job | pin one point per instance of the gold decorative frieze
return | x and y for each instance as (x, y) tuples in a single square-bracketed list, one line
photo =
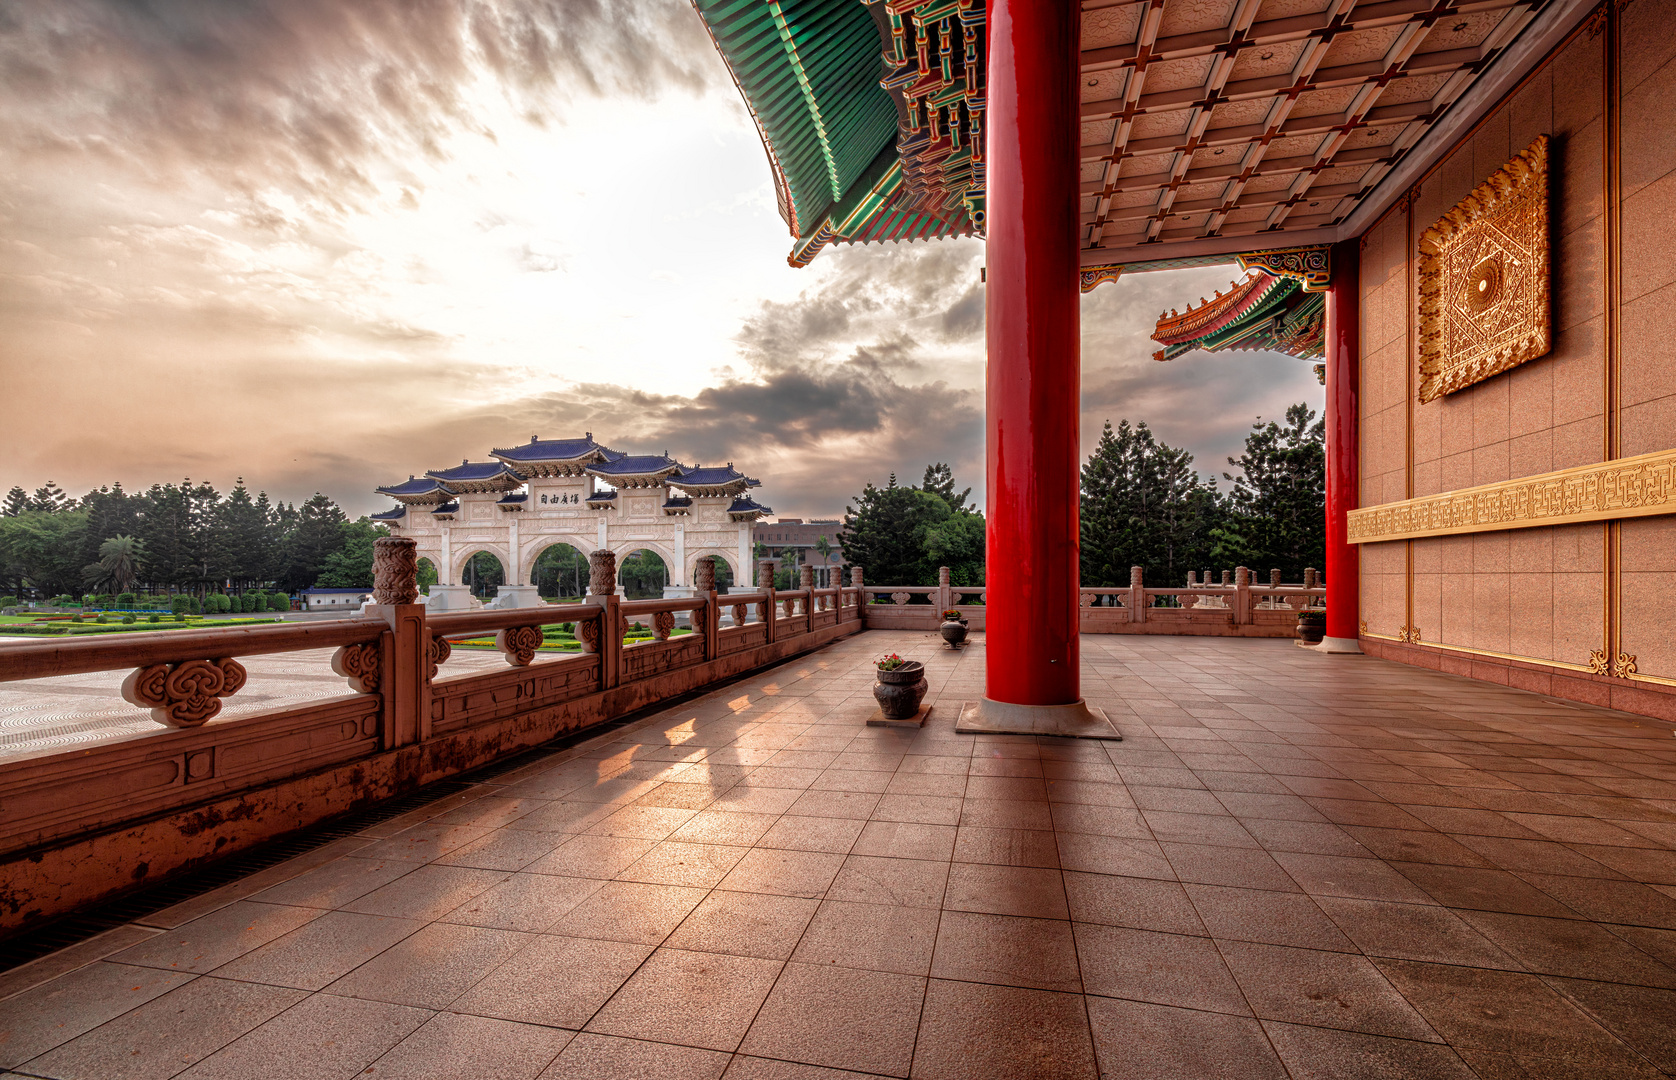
[(1622, 667), (1640, 486), (1483, 270), (1311, 265)]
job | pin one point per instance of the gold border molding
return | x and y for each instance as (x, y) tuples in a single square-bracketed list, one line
[(1310, 265), (1640, 486)]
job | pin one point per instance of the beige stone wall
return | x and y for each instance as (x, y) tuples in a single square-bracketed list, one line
[(1549, 596)]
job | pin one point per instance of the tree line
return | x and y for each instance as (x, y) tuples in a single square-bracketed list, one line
[(1143, 504), (185, 537)]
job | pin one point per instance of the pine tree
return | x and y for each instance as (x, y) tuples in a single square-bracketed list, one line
[(939, 480), (1280, 496), (1143, 504), (17, 501), (49, 498)]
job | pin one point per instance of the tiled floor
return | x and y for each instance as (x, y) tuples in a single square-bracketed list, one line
[(1294, 866)]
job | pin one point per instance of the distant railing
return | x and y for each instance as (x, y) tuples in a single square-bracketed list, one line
[(1236, 609), (159, 802)]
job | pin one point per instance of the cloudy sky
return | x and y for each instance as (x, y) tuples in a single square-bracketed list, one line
[(325, 245)]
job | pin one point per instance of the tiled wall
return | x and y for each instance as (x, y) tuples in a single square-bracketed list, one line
[(1539, 594)]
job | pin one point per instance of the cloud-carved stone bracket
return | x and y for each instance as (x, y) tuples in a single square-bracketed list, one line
[(587, 633), (361, 665), (438, 655), (663, 624), (519, 644), (184, 694)]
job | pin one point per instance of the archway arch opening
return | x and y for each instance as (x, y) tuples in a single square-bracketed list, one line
[(560, 572), (483, 573), (643, 574), (724, 572), (427, 576)]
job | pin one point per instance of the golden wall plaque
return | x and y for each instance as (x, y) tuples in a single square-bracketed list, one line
[(1484, 278)]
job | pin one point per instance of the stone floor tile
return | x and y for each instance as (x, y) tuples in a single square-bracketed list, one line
[(321, 951), (1091, 793), (208, 942), (751, 799), (1570, 947), (1322, 989), (676, 863), (1362, 879), (841, 1018), (641, 822), (452, 1046), (873, 937), (428, 893), (1006, 847), (323, 1037), (903, 882), (504, 849), (1608, 900), (1115, 855), (756, 1068), (1536, 856), (166, 1034), (833, 835), (602, 857), (1005, 950), (977, 1032), (432, 967), (723, 827), (856, 805), (1642, 1017), (1212, 865), (1160, 1042), (698, 999), (1035, 892), (871, 783), (605, 1057), (1481, 890), (1269, 918), (527, 902), (783, 873), (1638, 864), (555, 981), (1414, 932), (924, 809), (630, 911), (1138, 903), (1506, 1011), (336, 883), (745, 924), (1307, 837), (1165, 969), (1176, 800), (564, 816), (1416, 845), (424, 843), (1312, 1053), (906, 840)]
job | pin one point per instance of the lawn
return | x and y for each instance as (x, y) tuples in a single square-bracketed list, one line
[(63, 627)]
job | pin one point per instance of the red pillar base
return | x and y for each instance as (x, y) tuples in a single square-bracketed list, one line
[(1078, 720)]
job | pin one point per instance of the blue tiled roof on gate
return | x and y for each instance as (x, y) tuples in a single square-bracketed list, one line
[(637, 465), (414, 487), (446, 510), (602, 497), (391, 515), (675, 502), (714, 476), (518, 499), (557, 450), (745, 505), (476, 472)]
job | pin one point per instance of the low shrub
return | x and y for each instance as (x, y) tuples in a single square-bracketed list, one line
[(279, 602), (8, 601), (87, 600), (101, 619), (128, 620), (154, 617), (126, 600), (179, 604), (76, 618), (180, 616)]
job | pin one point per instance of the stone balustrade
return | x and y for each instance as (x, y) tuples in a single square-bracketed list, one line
[(82, 825)]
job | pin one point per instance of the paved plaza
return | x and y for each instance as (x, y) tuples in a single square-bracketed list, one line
[(1293, 866)]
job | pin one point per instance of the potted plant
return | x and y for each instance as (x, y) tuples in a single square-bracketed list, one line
[(953, 628), (900, 688), (1312, 625)]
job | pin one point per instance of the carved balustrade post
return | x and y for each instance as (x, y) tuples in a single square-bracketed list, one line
[(606, 637), (765, 576), (1192, 579), (806, 582), (1226, 576), (1242, 595), (708, 620), (860, 597), (1309, 577), (402, 663), (1137, 595), (1274, 579)]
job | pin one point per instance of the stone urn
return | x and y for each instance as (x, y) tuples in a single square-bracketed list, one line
[(1312, 626), (900, 690), (953, 629)]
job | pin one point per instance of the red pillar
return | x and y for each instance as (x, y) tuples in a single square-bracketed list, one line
[(1035, 353), (1343, 447)]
